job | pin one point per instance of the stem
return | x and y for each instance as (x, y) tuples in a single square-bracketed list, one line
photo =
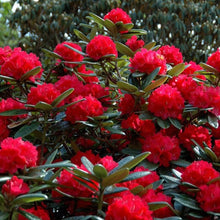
[(100, 200)]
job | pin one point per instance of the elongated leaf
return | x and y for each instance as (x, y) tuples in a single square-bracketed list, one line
[(26, 130), (176, 173), (175, 123), (52, 54), (42, 187), (51, 157), (43, 106), (87, 163), (81, 36), (208, 68), (75, 50), (151, 77), (171, 179), (14, 112), (110, 26), (83, 174), (163, 123), (30, 73), (210, 154), (114, 189), (123, 27), (100, 171), (7, 78), (176, 70), (55, 165), (150, 45), (213, 121), (97, 19), (27, 198), (155, 84), (157, 205), (132, 163), (28, 215), (116, 177), (61, 97), (181, 163), (126, 86), (136, 175), (123, 49)]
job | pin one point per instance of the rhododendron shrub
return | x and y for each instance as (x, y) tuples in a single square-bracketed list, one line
[(111, 128)]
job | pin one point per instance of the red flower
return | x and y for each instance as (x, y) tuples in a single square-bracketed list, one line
[(20, 63), (184, 84), (85, 142), (127, 104), (172, 54), (129, 207), (199, 134), (37, 211), (209, 197), (199, 173), (100, 46), (134, 43), (191, 70), (69, 55), (216, 148), (132, 121), (146, 61), (4, 132), (14, 187), (88, 78), (214, 60), (216, 131), (46, 92), (6, 52), (108, 162), (17, 154), (152, 196), (166, 102), (67, 82), (147, 128), (117, 15), (81, 110), (163, 149)]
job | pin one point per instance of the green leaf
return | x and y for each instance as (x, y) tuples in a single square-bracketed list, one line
[(85, 175), (51, 157), (136, 160), (121, 163), (61, 97), (114, 189), (54, 165), (115, 130), (213, 121), (157, 205), (81, 36), (75, 50), (7, 78), (187, 201), (150, 77), (136, 175), (30, 73), (155, 84), (176, 70), (42, 187), (150, 45), (175, 123), (100, 171), (110, 26), (209, 68), (26, 130), (163, 123), (4, 215), (123, 49), (169, 218), (52, 54), (28, 215), (27, 198), (14, 112), (127, 87), (43, 106), (137, 31), (115, 177), (97, 19), (210, 154), (181, 163), (171, 179), (87, 163), (124, 27)]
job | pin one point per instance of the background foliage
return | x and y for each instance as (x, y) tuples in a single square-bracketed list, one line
[(191, 26)]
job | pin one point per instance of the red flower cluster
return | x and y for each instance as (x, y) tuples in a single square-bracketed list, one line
[(81, 110), (4, 132), (87, 75), (100, 46), (14, 187), (46, 92), (216, 148), (166, 102), (69, 55), (17, 154), (163, 149), (199, 134), (129, 207), (6, 52), (134, 43), (191, 70), (209, 197), (37, 211), (152, 196), (214, 60), (199, 173), (172, 54), (146, 61), (117, 15), (20, 63)]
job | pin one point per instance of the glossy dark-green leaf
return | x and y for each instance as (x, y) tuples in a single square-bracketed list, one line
[(14, 112), (85, 175), (155, 84), (115, 177), (156, 205), (30, 73), (175, 123), (43, 106), (52, 54), (150, 77), (163, 123), (114, 189), (26, 130), (213, 121), (176, 70), (127, 86), (100, 171), (123, 49), (28, 215), (75, 50), (61, 97), (210, 154), (136, 175), (208, 68), (81, 36), (87, 163), (97, 19), (110, 26)]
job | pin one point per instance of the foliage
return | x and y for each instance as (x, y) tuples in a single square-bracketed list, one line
[(109, 132), (191, 26)]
